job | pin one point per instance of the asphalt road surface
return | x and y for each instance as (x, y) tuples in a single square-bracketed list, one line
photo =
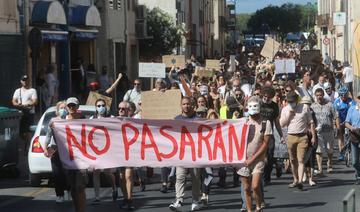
[(17, 195)]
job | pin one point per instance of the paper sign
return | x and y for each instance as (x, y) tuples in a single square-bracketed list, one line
[(125, 142), (202, 72), (152, 70), (93, 96), (213, 64), (310, 57), (286, 66), (174, 60), (160, 105), (271, 47)]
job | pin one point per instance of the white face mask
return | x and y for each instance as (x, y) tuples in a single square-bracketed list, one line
[(253, 108)]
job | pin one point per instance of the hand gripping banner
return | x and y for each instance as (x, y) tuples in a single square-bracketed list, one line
[(118, 142)]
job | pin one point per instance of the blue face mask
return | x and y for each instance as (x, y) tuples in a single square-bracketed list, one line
[(63, 113), (101, 110)]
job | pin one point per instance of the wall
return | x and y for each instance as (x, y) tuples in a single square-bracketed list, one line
[(9, 17)]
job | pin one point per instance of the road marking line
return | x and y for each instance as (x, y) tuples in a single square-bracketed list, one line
[(20, 198)]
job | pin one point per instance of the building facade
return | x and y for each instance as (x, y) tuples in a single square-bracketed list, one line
[(12, 57)]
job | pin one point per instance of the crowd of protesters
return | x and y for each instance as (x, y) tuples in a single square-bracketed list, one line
[(305, 112)]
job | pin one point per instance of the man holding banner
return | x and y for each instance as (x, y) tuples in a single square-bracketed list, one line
[(187, 108)]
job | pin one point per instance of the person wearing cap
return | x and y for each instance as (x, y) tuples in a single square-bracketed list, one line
[(352, 122), (326, 117), (25, 99), (311, 151), (77, 179), (297, 118)]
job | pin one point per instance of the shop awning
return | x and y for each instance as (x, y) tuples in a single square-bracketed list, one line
[(52, 35), (83, 34), (84, 16), (48, 12)]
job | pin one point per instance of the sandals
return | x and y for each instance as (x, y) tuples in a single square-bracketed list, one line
[(293, 185)]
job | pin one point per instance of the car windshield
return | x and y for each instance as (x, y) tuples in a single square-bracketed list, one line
[(50, 115)]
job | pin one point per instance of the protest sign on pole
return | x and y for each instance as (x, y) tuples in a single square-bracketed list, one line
[(203, 72), (93, 96), (356, 54), (213, 64), (285, 66), (232, 63), (310, 57), (174, 60), (124, 142), (152, 70), (270, 48), (160, 105)]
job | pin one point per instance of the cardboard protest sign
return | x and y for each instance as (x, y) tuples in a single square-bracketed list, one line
[(286, 66), (160, 105), (174, 60), (213, 64), (125, 142), (93, 96), (152, 70), (310, 57), (356, 53), (203, 72), (270, 48)]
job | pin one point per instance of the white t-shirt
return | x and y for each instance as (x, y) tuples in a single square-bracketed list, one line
[(24, 96), (348, 75)]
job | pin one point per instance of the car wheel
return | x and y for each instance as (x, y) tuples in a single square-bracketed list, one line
[(35, 180)]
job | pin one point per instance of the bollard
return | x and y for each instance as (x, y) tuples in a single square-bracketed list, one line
[(349, 202)]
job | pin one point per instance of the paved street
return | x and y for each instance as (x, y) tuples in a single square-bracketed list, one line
[(16, 195)]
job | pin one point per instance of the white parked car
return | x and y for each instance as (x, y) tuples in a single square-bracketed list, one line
[(39, 165)]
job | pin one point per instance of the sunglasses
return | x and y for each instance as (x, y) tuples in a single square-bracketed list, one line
[(136, 83), (122, 108), (100, 105), (72, 105), (287, 90), (256, 94)]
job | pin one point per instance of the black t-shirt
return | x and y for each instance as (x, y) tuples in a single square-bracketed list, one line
[(269, 111)]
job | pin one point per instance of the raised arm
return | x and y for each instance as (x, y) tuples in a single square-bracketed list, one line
[(113, 86)]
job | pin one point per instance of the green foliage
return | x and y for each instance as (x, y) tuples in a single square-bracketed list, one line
[(282, 20), (163, 32), (241, 22)]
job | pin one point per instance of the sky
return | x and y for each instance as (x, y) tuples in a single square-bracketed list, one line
[(250, 6)]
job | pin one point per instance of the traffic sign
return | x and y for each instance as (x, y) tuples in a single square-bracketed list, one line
[(326, 41)]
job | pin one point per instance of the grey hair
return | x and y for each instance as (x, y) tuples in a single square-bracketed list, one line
[(58, 106), (254, 99)]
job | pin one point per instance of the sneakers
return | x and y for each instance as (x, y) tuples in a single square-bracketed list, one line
[(195, 206), (96, 201), (164, 189), (318, 173), (176, 206), (341, 157), (205, 199), (60, 199), (114, 195)]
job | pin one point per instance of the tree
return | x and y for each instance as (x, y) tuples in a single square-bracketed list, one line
[(241, 22), (163, 35), (281, 20)]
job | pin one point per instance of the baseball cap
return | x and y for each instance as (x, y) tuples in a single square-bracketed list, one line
[(291, 96), (72, 100), (24, 78)]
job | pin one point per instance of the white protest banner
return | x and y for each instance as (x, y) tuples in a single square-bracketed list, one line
[(174, 60), (270, 48), (152, 70), (116, 142), (160, 105), (286, 66)]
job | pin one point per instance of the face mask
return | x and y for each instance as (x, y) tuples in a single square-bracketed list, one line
[(293, 105), (63, 113), (101, 110), (253, 108)]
